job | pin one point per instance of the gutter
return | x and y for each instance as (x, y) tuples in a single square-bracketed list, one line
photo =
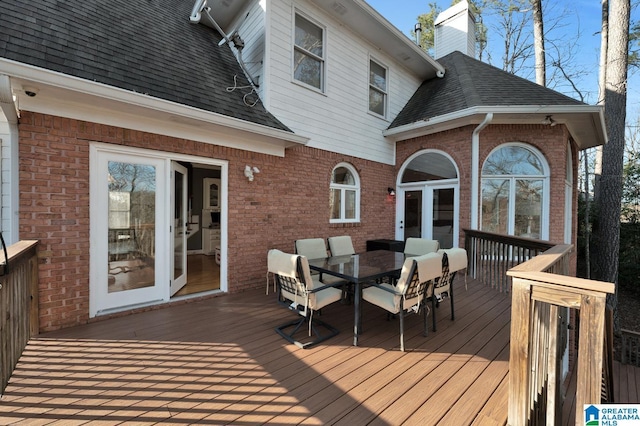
[(475, 170), (63, 81)]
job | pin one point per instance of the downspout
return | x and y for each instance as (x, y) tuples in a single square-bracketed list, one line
[(8, 107), (475, 170)]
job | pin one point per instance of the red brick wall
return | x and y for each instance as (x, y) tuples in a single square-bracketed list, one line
[(550, 141), (288, 200)]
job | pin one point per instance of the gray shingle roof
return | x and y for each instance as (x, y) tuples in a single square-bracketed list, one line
[(470, 83), (145, 46)]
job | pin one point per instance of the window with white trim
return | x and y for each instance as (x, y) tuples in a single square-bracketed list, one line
[(344, 194), (308, 55), (515, 184), (377, 88)]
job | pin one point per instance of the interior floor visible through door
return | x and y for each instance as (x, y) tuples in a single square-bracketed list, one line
[(203, 274)]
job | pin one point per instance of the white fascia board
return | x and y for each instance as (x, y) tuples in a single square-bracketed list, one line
[(528, 114), (139, 102), (440, 70)]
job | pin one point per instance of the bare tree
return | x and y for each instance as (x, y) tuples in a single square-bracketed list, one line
[(615, 101), (538, 43)]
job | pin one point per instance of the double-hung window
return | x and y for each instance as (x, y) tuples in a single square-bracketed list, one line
[(308, 57), (344, 197), (377, 88)]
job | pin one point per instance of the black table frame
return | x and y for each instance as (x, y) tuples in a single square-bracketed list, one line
[(360, 269)]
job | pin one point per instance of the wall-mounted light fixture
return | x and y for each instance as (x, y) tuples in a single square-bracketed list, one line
[(391, 195), (549, 121), (250, 171)]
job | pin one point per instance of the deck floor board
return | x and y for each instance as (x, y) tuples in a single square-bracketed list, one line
[(219, 361)]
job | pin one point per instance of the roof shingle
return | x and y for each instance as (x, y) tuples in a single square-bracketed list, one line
[(146, 47), (470, 83)]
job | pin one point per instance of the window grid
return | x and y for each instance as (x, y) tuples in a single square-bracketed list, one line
[(308, 58), (344, 195), (378, 83)]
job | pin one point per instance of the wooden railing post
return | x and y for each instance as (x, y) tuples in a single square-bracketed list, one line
[(519, 351)]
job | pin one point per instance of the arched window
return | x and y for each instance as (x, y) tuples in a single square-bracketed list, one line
[(515, 187), (344, 195)]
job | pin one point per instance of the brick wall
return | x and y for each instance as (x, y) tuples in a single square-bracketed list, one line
[(288, 200)]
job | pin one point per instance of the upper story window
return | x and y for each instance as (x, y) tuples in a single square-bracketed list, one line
[(344, 198), (515, 192), (377, 88), (308, 57)]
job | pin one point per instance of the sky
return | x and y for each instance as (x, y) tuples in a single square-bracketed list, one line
[(581, 21)]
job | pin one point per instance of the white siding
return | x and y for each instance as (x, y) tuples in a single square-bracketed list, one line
[(251, 27), (338, 119)]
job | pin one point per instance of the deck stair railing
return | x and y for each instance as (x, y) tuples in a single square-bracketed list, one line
[(18, 305), (492, 255), (540, 290)]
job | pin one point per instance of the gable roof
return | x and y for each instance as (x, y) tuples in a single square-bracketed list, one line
[(471, 87), (146, 47)]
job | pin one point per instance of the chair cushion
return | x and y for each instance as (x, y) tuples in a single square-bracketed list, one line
[(384, 299), (429, 266), (313, 248), (419, 246), (341, 245), (457, 258)]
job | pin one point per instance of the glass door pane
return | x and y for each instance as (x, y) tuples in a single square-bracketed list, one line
[(132, 226), (413, 214), (443, 215)]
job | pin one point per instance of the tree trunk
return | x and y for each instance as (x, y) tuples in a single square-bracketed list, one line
[(609, 202), (538, 43)]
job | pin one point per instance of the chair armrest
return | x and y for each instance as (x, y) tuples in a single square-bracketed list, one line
[(317, 289)]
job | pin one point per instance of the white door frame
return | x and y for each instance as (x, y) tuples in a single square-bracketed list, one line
[(178, 231), (99, 233), (428, 189)]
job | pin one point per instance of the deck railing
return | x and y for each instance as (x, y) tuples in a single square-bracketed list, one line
[(540, 289), (492, 255), (18, 305)]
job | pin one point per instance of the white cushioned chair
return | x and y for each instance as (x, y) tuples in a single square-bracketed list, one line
[(453, 260), (408, 295), (419, 246), (299, 292), (341, 246), (315, 248)]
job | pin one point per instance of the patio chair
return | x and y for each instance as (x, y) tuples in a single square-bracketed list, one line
[(341, 246), (408, 295), (314, 248), (453, 260), (301, 293), (419, 246)]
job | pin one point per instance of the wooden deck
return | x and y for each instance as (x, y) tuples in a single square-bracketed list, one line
[(219, 361)]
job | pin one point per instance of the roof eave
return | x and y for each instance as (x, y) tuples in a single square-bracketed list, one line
[(584, 122), (124, 102), (360, 17)]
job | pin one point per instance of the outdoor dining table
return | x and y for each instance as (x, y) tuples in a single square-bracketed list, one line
[(360, 269)]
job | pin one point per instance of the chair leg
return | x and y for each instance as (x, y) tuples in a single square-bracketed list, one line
[(451, 297), (401, 328), (433, 309), (425, 314), (315, 328)]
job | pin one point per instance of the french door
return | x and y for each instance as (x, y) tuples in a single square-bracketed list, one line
[(429, 211), (178, 228), (128, 238)]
